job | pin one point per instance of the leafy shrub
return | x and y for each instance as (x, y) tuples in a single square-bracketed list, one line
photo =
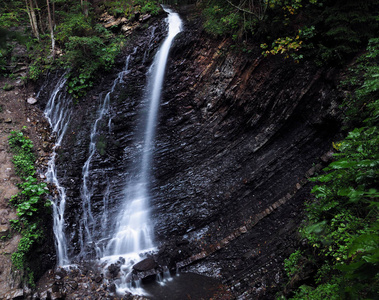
[(87, 56), (347, 25), (74, 24), (362, 86), (30, 202), (150, 7), (328, 291), (31, 234), (220, 20), (343, 221), (23, 157), (291, 263)]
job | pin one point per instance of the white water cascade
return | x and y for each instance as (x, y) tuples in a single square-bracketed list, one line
[(88, 228), (58, 113), (134, 235)]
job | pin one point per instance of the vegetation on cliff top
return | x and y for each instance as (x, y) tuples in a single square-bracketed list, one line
[(66, 34), (325, 31)]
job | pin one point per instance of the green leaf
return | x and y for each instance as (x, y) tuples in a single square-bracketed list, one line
[(343, 164)]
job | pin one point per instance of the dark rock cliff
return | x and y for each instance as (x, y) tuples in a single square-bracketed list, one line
[(237, 136), (238, 132)]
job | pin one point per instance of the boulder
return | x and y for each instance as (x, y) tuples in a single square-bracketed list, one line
[(15, 294), (145, 265), (4, 230), (31, 100)]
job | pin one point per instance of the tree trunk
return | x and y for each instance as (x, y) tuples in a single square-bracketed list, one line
[(84, 4), (53, 19), (41, 27), (32, 18), (51, 28)]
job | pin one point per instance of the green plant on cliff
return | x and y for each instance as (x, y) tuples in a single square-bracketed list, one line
[(30, 202), (291, 264), (87, 56), (343, 221), (81, 44), (23, 156), (149, 7), (324, 31), (89, 48)]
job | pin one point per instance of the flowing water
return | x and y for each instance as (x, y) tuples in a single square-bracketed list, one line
[(58, 113), (134, 235), (88, 227)]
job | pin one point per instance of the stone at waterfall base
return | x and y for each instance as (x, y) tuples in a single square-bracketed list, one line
[(145, 265)]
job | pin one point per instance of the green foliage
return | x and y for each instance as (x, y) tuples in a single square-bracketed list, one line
[(31, 235), (224, 19), (12, 13), (73, 24), (291, 263), (119, 8), (89, 48), (39, 54), (23, 156), (289, 46), (362, 86), (84, 46), (129, 8), (149, 7), (221, 20), (12, 17), (343, 221), (324, 291), (30, 202), (347, 25), (87, 56), (325, 31)]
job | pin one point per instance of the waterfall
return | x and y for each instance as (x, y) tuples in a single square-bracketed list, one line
[(150, 44), (87, 228), (134, 231), (58, 113), (132, 234)]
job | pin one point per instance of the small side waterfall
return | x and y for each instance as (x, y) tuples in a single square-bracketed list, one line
[(88, 226), (134, 234), (58, 113)]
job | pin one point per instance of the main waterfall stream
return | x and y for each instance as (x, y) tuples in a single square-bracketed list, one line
[(134, 234), (127, 237)]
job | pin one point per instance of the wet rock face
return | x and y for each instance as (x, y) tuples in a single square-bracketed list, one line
[(237, 140), (236, 133)]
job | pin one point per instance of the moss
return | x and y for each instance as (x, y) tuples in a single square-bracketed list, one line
[(101, 145)]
